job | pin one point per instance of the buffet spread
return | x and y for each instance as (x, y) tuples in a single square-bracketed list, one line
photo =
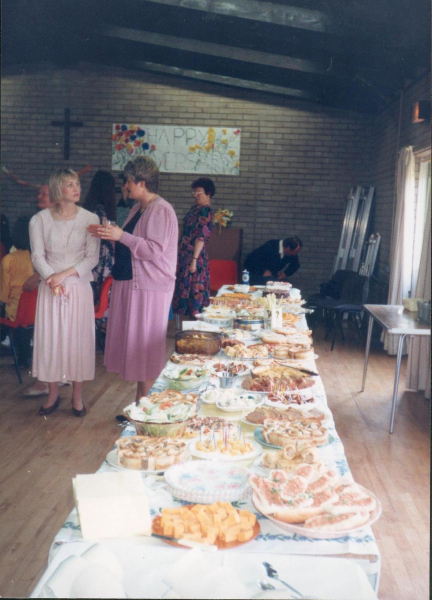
[(237, 447)]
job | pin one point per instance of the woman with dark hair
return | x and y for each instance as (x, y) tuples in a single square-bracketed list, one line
[(5, 239), (192, 292), (101, 200), (144, 277)]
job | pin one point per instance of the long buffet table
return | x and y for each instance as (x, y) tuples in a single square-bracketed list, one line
[(302, 560)]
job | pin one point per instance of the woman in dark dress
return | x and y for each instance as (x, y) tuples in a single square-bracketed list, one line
[(101, 201), (192, 291)]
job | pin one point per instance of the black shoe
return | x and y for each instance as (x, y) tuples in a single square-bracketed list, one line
[(47, 411), (121, 418), (79, 413)]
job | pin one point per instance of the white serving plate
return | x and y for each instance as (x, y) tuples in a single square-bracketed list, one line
[(258, 401), (205, 483), (257, 449), (322, 535)]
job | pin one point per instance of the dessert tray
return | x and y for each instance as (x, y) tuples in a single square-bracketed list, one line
[(208, 482)]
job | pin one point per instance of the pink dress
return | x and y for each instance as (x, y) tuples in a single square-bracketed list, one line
[(139, 307), (64, 337)]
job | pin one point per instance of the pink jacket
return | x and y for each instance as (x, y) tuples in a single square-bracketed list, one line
[(153, 246)]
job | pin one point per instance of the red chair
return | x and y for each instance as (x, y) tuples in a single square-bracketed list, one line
[(101, 309), (25, 318), (222, 272)]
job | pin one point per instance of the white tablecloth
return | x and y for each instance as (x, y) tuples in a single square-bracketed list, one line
[(360, 547)]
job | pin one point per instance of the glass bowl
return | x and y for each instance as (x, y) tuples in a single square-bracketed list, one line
[(197, 342)]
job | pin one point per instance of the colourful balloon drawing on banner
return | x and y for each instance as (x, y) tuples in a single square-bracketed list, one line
[(179, 149)]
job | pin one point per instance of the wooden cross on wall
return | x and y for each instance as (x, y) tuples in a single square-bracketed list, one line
[(67, 124)]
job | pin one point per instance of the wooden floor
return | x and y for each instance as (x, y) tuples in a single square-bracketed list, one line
[(41, 455)]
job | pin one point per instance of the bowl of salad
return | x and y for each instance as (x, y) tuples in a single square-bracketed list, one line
[(186, 378), (168, 417)]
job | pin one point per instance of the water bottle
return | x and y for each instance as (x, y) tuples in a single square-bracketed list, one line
[(245, 277)]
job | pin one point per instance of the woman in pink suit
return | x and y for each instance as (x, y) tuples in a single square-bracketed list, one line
[(144, 279), (64, 254)]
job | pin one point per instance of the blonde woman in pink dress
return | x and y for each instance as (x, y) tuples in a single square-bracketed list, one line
[(64, 254), (144, 278)]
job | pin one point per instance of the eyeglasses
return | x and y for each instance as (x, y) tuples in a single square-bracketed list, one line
[(195, 193)]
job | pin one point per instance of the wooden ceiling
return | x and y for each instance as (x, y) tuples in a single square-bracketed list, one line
[(352, 54)]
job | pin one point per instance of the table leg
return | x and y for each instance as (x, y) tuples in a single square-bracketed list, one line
[(368, 342), (396, 382)]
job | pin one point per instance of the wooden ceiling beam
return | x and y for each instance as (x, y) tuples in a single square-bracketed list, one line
[(266, 12), (221, 79), (216, 50)]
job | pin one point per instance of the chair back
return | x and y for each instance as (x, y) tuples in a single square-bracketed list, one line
[(355, 289), (222, 272), (101, 308), (26, 310)]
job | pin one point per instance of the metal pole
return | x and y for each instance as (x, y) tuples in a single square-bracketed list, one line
[(369, 337), (396, 382)]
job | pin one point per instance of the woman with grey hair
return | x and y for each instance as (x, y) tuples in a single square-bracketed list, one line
[(144, 278), (64, 254)]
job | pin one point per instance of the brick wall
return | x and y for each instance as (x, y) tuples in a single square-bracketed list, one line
[(298, 161), (387, 143)]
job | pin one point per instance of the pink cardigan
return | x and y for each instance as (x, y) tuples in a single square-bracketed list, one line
[(153, 246)]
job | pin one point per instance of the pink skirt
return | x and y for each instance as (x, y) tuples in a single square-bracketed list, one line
[(136, 332), (64, 336)]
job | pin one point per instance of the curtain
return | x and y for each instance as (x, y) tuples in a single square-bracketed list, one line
[(419, 364), (402, 247)]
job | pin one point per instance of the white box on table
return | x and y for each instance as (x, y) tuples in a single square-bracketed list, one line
[(112, 505)]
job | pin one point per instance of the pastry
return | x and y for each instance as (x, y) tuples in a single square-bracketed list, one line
[(149, 453), (294, 456), (281, 433), (290, 413)]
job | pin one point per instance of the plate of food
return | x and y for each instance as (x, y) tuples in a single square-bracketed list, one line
[(258, 435), (281, 433), (197, 360), (203, 426), (218, 524), (212, 394), (242, 335), (225, 449), (299, 458), (186, 378), (252, 352), (232, 367), (285, 413), (147, 454), (240, 402), (326, 508), (206, 483)]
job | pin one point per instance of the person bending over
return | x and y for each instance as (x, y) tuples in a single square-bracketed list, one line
[(276, 259)]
